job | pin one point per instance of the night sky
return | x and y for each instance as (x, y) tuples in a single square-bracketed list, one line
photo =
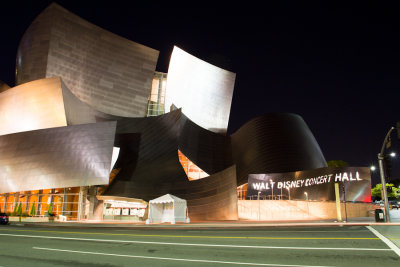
[(336, 66)]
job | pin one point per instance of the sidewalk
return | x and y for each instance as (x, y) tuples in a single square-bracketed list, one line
[(359, 221), (364, 221)]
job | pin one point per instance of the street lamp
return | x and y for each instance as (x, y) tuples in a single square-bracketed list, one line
[(393, 154), (288, 189), (372, 168), (305, 193), (381, 157)]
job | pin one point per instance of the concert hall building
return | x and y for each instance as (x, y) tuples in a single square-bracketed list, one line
[(92, 131)]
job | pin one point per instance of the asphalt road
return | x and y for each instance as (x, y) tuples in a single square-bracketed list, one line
[(269, 246)]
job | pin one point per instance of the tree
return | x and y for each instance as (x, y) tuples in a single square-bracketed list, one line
[(396, 182), (19, 209), (394, 192), (33, 210), (50, 210), (337, 163)]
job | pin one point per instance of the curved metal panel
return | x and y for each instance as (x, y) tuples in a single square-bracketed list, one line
[(32, 106), (274, 143), (203, 91), (208, 150), (213, 197), (148, 159), (69, 156), (108, 72), (149, 167), (41, 104)]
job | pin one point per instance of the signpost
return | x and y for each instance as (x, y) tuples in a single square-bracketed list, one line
[(338, 210)]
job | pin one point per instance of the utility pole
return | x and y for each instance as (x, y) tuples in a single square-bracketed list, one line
[(381, 157)]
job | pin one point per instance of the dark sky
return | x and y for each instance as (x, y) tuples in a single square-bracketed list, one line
[(336, 66)]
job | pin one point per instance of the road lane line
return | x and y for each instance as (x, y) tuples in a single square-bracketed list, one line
[(193, 244), (205, 237), (385, 240), (175, 259)]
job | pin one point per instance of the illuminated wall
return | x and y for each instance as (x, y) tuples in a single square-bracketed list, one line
[(192, 171), (106, 71), (203, 91)]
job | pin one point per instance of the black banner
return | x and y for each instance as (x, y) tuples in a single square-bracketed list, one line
[(317, 184)]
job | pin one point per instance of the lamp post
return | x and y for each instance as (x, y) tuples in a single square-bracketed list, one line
[(381, 156), (288, 189), (344, 200)]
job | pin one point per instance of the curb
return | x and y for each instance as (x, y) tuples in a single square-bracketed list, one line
[(205, 225)]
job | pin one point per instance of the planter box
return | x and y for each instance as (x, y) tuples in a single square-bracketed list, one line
[(31, 219)]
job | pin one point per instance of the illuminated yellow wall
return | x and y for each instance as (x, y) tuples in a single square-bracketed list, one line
[(192, 171)]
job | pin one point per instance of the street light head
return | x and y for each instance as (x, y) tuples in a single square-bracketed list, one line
[(393, 154), (372, 168)]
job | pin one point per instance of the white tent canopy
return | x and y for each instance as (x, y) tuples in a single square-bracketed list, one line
[(167, 208)]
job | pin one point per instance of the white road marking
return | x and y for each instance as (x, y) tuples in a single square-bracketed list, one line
[(176, 259), (317, 231), (385, 240), (193, 244)]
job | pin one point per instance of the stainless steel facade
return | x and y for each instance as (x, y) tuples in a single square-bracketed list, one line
[(275, 142), (41, 104), (108, 72), (110, 81), (149, 167), (78, 155), (32, 106), (203, 91)]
